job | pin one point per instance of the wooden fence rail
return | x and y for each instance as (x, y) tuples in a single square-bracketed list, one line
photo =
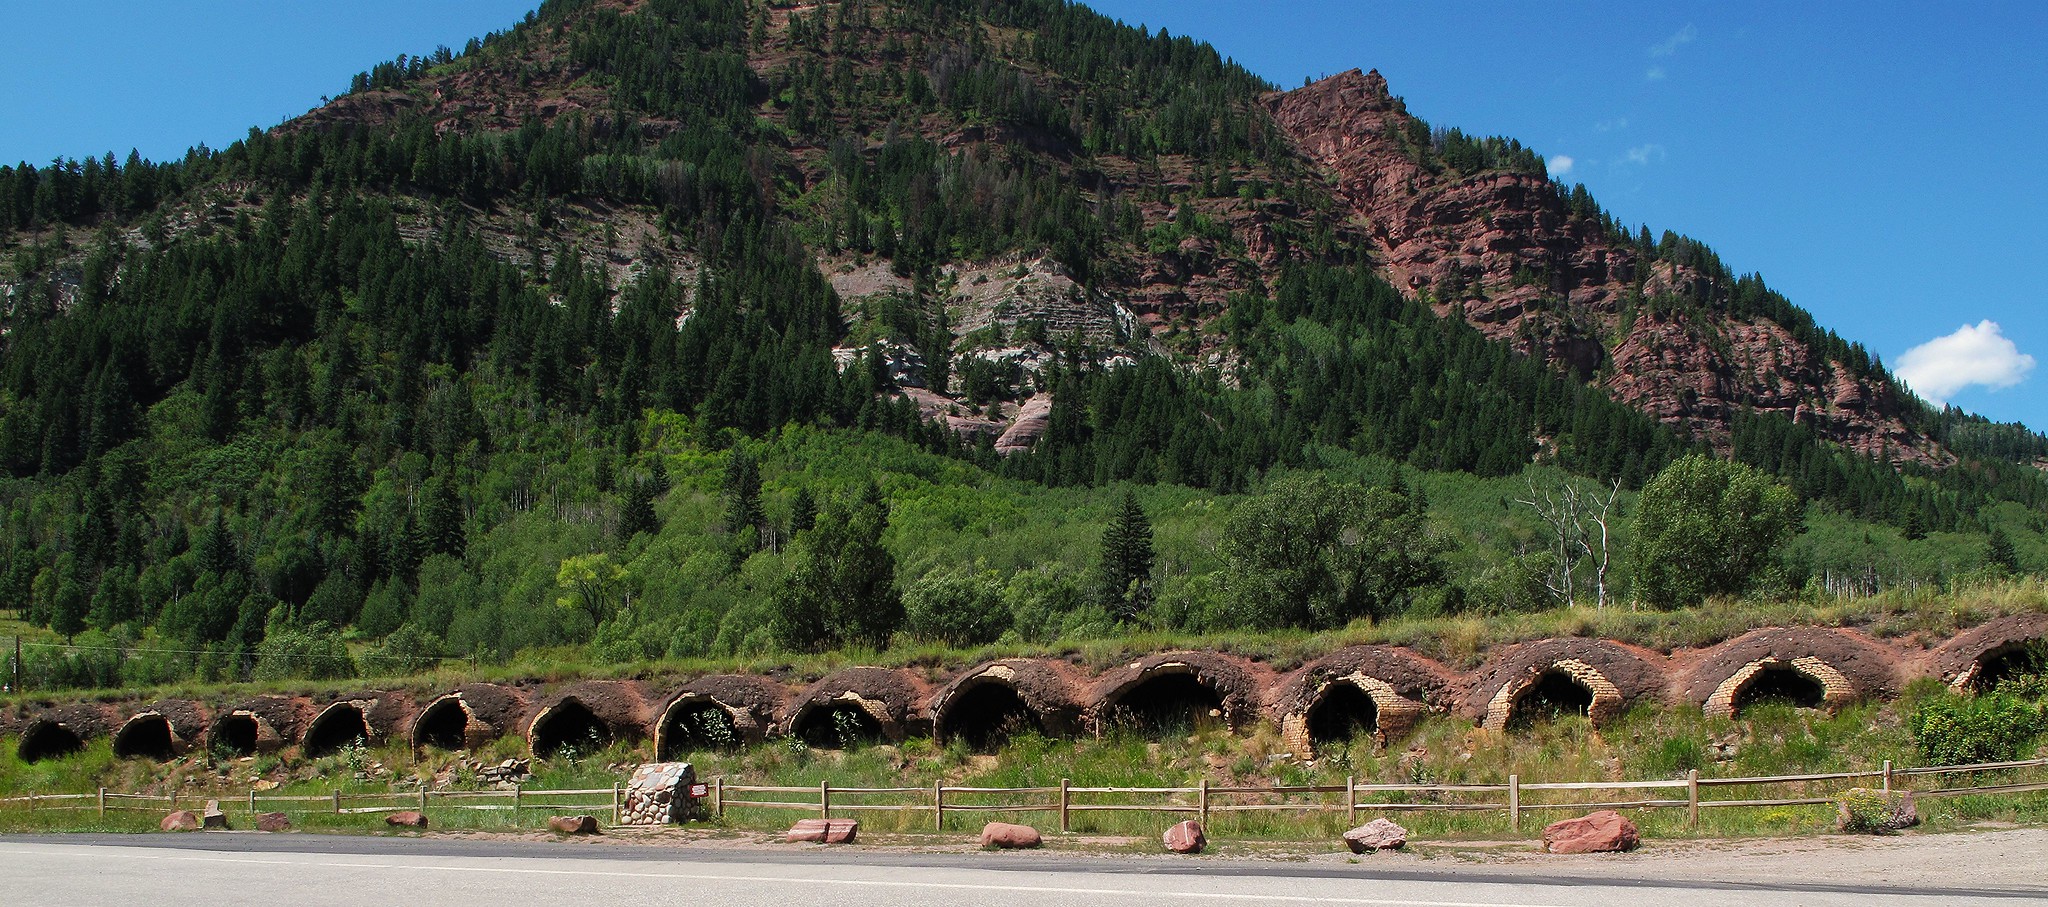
[(1200, 801)]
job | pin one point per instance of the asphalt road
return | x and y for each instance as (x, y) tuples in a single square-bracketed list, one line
[(307, 871)]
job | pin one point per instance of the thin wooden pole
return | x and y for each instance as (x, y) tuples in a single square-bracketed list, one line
[(1692, 798), (1515, 802), (718, 789), (1887, 777), (1066, 800), (1351, 799), (825, 799), (252, 803), (1202, 807), (618, 794), (337, 800), (515, 801), (423, 799), (938, 806), (103, 801)]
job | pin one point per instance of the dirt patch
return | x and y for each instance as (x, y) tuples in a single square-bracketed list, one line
[(1966, 661), (1529, 677)]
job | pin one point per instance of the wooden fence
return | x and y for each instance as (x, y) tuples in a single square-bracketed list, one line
[(1514, 798)]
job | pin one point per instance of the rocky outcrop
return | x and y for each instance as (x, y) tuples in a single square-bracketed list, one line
[(1507, 252)]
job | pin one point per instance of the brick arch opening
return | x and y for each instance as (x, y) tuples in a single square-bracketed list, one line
[(1554, 694), (986, 714), (340, 725), (1780, 684), (146, 737), (1164, 703), (235, 735), (48, 740), (696, 724), (837, 725), (569, 723), (2010, 662), (442, 725), (1341, 714)]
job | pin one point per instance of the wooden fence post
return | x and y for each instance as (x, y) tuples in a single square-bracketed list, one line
[(252, 804), (825, 799), (1887, 777), (103, 801), (618, 794), (423, 799), (718, 789), (1351, 799), (1515, 802), (1066, 800), (938, 806), (1692, 798), (1202, 804), (337, 801), (515, 802)]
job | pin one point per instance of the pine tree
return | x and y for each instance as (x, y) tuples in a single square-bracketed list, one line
[(637, 514), (1126, 572), (743, 515), (2000, 555), (441, 519), (803, 512)]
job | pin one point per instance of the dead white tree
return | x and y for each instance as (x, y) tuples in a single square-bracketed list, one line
[(1578, 521)]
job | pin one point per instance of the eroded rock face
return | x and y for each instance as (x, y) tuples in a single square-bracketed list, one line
[(1509, 255), (1605, 831)]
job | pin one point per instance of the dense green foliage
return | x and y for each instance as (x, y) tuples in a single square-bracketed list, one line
[(1709, 527)]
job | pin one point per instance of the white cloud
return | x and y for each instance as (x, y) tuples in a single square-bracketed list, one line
[(1561, 164), (1643, 155), (1973, 355), (1611, 125), (1670, 45), (1655, 74)]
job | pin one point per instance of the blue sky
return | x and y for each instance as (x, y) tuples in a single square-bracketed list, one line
[(1881, 164)]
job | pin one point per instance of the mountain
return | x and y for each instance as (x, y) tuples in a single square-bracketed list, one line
[(394, 363)]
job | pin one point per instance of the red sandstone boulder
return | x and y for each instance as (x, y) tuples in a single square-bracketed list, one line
[(182, 820), (1379, 834), (1605, 831), (823, 831), (1186, 837), (574, 825), (406, 819), (1009, 837), (273, 822)]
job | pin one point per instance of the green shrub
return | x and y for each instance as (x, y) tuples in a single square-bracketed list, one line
[(1951, 730), (957, 607)]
